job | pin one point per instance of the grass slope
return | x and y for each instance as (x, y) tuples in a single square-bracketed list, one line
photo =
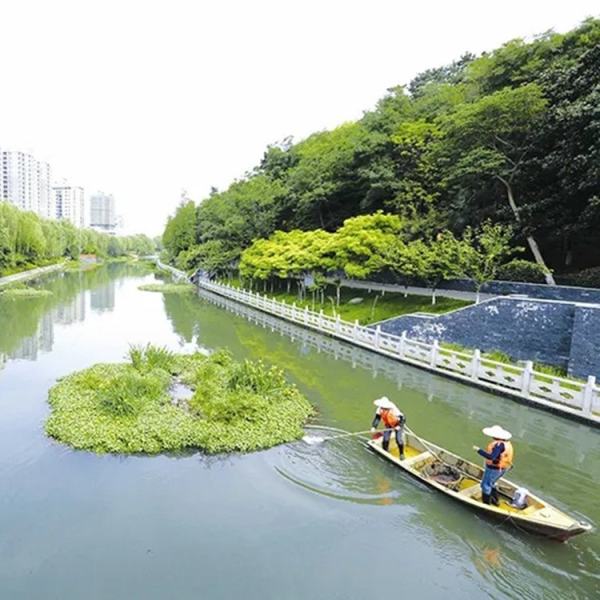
[(374, 307)]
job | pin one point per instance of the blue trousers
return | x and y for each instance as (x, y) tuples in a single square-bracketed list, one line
[(490, 478), (399, 438)]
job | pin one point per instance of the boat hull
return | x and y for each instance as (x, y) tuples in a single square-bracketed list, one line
[(546, 521)]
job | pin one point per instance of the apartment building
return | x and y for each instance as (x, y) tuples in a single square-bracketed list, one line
[(25, 182), (69, 203), (103, 216)]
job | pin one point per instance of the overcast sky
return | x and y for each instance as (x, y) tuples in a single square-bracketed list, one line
[(142, 99)]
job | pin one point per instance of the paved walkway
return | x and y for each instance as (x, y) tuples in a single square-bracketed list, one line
[(31, 273), (412, 290)]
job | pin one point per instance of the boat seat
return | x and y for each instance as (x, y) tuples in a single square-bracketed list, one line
[(471, 490), (409, 462)]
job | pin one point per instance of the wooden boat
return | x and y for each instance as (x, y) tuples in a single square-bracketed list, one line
[(460, 479)]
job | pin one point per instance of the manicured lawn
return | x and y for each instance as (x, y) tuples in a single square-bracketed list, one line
[(374, 306)]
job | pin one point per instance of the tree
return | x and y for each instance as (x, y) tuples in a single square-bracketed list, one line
[(361, 244), (180, 232), (437, 261), (492, 138), (484, 252)]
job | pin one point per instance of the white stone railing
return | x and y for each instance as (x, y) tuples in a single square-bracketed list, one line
[(565, 396), (177, 274)]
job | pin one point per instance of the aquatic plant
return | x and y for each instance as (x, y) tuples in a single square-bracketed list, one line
[(149, 357), (127, 408), (168, 288)]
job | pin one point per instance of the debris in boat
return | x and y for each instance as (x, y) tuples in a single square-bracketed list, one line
[(442, 473), (356, 300)]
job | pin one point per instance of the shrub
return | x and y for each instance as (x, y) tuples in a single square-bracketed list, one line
[(255, 377), (149, 357), (127, 392), (586, 278), (522, 270)]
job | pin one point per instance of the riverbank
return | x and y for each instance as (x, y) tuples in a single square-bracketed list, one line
[(31, 273), (366, 306), (565, 397)]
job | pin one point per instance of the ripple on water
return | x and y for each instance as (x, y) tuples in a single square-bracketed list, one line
[(335, 468), (515, 563)]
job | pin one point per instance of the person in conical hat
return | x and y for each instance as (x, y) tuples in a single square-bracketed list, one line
[(499, 456), (393, 420)]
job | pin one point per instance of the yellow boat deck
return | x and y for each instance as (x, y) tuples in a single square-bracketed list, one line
[(466, 484)]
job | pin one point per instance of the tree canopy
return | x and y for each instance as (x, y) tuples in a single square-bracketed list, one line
[(511, 136), (26, 240)]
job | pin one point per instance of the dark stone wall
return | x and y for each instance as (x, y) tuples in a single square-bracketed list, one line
[(504, 288), (557, 333), (533, 290), (585, 344)]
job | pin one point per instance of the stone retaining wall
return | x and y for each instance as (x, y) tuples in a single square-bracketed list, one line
[(564, 334)]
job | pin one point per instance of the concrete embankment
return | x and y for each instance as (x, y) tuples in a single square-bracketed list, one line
[(30, 274)]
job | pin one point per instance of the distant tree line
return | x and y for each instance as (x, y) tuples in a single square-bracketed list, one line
[(27, 240), (512, 136)]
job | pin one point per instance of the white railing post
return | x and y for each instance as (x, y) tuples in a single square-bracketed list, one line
[(475, 362), (306, 315), (337, 323), (588, 395), (293, 311), (377, 335), (321, 319), (402, 344), (434, 352), (355, 330), (527, 375)]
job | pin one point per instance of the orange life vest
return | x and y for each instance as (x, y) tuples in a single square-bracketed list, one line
[(390, 420), (505, 460)]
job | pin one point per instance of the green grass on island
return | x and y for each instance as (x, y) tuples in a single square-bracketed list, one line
[(373, 306), (168, 288), (138, 407)]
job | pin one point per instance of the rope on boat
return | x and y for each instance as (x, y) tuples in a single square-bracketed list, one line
[(342, 433)]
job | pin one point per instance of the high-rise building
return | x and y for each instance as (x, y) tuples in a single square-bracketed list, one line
[(103, 216), (25, 182), (46, 207), (69, 201)]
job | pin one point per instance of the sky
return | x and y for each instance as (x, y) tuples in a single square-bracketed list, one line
[(145, 99)]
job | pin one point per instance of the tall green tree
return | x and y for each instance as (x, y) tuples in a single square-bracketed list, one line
[(491, 138)]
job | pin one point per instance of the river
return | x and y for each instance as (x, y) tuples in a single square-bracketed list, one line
[(298, 521)]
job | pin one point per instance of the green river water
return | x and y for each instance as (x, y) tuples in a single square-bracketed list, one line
[(297, 521)]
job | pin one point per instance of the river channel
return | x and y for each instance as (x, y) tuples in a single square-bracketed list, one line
[(298, 521)]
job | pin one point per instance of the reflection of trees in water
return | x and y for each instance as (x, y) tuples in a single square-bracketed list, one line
[(432, 401), (26, 324)]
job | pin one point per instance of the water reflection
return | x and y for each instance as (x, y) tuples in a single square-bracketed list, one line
[(460, 401), (278, 514), (27, 325)]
